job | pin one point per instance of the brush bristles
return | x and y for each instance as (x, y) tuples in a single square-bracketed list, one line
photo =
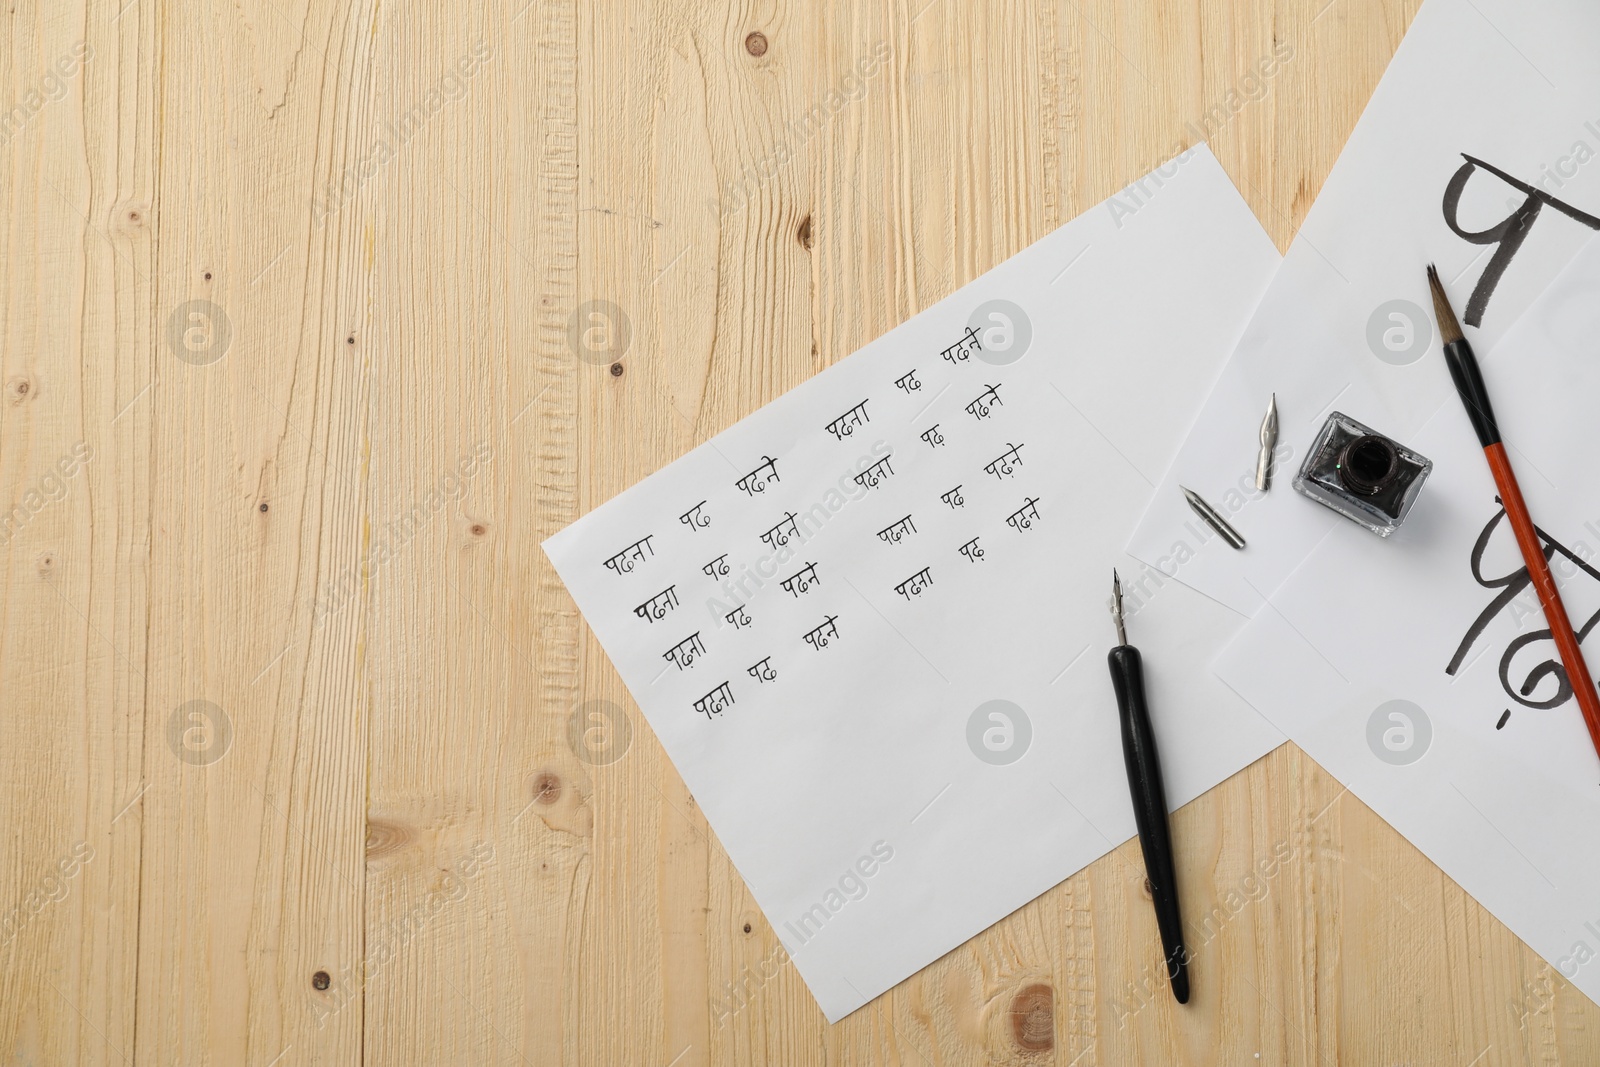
[(1449, 328)]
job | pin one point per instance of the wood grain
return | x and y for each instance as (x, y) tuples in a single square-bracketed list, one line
[(319, 315)]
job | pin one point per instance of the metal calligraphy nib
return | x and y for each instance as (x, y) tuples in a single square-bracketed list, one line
[(1212, 519), (1116, 607), (1269, 441)]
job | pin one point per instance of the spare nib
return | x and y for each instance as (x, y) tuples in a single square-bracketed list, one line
[(1269, 441), (1212, 519)]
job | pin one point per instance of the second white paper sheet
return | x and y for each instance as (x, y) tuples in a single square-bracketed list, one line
[(868, 623), (1347, 323), (1419, 671)]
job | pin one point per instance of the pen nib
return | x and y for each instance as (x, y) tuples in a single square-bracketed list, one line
[(1212, 519), (1269, 441), (1116, 607)]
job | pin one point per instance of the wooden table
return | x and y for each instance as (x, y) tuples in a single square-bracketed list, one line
[(320, 315)]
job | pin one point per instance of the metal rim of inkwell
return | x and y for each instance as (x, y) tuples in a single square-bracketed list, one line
[(1369, 464)]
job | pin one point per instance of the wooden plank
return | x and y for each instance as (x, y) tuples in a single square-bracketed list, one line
[(74, 537), (251, 876), (478, 823)]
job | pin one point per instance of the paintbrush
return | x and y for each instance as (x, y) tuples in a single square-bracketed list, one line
[(1464, 371)]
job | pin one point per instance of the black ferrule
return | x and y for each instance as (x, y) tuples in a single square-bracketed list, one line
[(1469, 384)]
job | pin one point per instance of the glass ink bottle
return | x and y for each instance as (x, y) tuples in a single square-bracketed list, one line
[(1363, 475)]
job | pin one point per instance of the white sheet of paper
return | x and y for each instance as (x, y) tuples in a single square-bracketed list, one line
[(1347, 323), (1351, 658), (880, 808)]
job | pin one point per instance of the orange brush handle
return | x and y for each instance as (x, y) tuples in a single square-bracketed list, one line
[(1555, 613)]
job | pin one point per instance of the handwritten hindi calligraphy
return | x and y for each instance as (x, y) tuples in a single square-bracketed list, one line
[(757, 480), (683, 654), (1506, 236), (624, 562), (656, 608), (1006, 463), (1526, 689), (846, 424), (817, 637), (983, 405), (897, 530), (875, 475), (781, 532), (715, 702), (801, 580), (1025, 516), (696, 518), (958, 352), (916, 584)]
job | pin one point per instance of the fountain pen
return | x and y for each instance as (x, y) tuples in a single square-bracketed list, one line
[(1149, 797)]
